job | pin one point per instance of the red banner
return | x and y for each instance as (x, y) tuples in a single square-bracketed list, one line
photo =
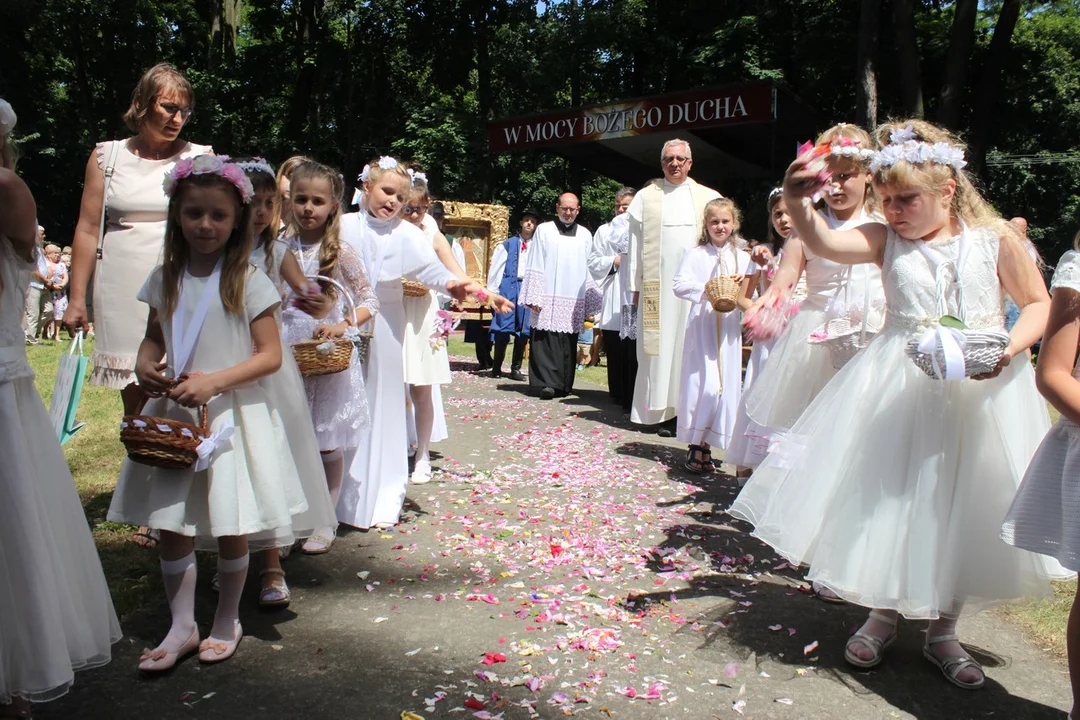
[(732, 105)]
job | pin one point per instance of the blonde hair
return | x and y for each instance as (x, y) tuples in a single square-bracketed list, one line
[(715, 206), (176, 253), (150, 86), (863, 140), (331, 240), (967, 204), (376, 172), (266, 182)]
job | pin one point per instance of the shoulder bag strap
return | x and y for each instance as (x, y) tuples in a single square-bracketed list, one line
[(110, 166)]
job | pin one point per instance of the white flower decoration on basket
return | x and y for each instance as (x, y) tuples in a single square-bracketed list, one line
[(949, 350)]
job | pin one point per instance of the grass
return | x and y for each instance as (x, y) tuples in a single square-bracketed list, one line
[(94, 456), (592, 375)]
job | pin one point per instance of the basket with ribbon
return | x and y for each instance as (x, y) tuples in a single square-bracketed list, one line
[(722, 290), (173, 444), (332, 355), (847, 329)]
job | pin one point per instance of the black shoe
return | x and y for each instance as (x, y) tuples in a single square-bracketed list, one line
[(666, 430), (516, 375), (547, 394), (496, 373)]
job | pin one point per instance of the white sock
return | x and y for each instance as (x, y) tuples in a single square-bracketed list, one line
[(333, 463), (179, 578), (232, 574)]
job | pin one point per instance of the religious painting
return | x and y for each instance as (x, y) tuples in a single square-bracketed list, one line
[(479, 229)]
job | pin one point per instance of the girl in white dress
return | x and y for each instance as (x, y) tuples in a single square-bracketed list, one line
[(338, 402), (1043, 517), (892, 484), (56, 615), (749, 440), (393, 249), (212, 315), (710, 382), (286, 387), (427, 367), (798, 369)]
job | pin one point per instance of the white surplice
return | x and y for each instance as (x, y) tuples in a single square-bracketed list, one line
[(710, 381), (557, 280), (602, 256), (656, 394), (374, 488)]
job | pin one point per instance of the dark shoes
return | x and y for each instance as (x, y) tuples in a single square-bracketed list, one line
[(496, 372), (547, 394), (666, 430), (516, 375)]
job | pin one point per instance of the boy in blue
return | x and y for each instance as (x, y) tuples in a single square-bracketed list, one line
[(504, 277)]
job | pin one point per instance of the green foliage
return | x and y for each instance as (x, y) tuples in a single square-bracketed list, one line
[(345, 80)]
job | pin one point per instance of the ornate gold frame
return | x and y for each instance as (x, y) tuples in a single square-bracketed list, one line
[(488, 221)]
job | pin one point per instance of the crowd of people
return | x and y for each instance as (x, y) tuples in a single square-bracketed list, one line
[(887, 429)]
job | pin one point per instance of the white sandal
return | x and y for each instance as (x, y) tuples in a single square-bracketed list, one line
[(871, 641), (274, 596), (951, 666), (317, 545)]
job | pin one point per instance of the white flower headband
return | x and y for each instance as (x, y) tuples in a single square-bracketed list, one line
[(904, 145), (257, 165), (415, 176), (385, 162), (8, 118)]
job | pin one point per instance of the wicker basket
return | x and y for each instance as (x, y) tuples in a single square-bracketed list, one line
[(163, 442), (411, 288), (325, 357), (722, 292), (842, 338), (982, 351)]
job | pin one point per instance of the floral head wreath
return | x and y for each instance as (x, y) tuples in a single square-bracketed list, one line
[(209, 165), (849, 148), (416, 176), (905, 145), (257, 165), (8, 118), (385, 162)]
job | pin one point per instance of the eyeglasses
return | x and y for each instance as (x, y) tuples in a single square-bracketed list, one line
[(171, 110), (414, 209), (669, 159), (563, 208)]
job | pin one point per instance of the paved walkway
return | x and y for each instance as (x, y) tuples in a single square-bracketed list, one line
[(564, 565)]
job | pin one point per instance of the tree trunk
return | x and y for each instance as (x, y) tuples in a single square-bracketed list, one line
[(307, 46), (213, 51), (576, 173), (484, 95), (961, 40), (983, 122), (866, 83), (82, 79), (903, 14)]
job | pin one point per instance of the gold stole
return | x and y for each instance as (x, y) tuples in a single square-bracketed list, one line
[(652, 211)]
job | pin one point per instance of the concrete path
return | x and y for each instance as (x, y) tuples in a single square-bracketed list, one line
[(563, 564)]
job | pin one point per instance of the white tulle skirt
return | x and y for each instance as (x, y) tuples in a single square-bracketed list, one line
[(750, 441), (795, 374), (56, 615), (1045, 515), (892, 486)]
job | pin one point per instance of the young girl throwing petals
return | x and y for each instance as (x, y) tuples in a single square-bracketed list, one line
[(798, 369), (212, 315), (892, 484), (711, 375), (338, 402), (286, 387), (1042, 518)]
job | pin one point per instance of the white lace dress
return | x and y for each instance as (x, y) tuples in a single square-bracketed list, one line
[(56, 615), (892, 486), (797, 370), (1044, 517), (338, 402)]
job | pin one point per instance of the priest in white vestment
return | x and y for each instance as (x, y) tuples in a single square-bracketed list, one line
[(560, 292), (665, 220), (607, 263)]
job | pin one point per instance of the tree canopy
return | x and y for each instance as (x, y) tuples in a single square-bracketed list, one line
[(344, 80)]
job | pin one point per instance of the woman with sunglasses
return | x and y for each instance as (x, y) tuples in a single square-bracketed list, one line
[(120, 252)]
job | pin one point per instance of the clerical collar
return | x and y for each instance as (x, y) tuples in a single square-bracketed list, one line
[(564, 229)]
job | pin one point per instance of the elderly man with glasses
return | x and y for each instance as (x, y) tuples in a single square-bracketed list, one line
[(665, 220), (558, 289)]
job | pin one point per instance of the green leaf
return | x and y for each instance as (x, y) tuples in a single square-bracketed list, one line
[(952, 322)]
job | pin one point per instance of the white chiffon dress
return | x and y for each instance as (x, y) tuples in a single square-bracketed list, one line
[(710, 375), (1045, 515), (56, 615), (252, 486), (892, 485), (750, 441), (797, 369)]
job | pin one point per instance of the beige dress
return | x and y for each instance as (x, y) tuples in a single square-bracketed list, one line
[(136, 209)]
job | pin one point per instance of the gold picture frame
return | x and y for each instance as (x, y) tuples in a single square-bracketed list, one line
[(479, 228)]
